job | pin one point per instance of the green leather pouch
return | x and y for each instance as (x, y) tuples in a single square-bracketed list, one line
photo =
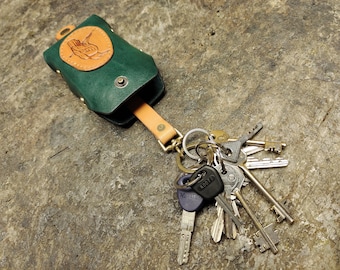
[(104, 70)]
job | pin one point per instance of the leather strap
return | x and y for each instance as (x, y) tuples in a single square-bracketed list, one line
[(160, 128)]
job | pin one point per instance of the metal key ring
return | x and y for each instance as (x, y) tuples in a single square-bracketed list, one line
[(201, 145), (179, 159), (184, 142), (177, 186), (188, 184)]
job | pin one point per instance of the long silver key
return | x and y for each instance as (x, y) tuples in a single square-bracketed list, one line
[(207, 182), (190, 202), (268, 239), (277, 207)]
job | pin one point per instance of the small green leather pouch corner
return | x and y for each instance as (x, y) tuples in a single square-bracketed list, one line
[(104, 70)]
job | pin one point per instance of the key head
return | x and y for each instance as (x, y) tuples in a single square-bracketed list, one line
[(188, 199), (219, 136), (232, 149), (207, 182), (232, 177)]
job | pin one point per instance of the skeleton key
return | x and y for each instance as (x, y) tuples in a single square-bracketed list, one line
[(232, 148), (277, 207), (190, 202), (207, 182), (268, 239)]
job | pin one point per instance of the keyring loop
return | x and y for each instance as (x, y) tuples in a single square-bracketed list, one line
[(187, 185), (177, 186), (180, 157), (184, 142), (209, 144)]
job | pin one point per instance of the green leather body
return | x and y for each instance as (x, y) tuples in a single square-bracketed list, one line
[(97, 87)]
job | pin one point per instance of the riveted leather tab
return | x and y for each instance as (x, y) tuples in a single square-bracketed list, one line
[(159, 127), (104, 70)]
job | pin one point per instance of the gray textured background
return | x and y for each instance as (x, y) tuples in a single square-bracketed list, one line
[(79, 193)]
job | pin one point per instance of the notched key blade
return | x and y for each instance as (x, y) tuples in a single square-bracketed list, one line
[(261, 242), (184, 247), (266, 163), (217, 228)]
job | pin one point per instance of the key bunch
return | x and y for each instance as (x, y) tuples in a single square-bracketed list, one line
[(215, 166)]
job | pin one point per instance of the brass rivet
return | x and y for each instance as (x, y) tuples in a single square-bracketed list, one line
[(160, 127), (121, 81)]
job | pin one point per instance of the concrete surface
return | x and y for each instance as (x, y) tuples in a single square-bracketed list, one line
[(79, 193)]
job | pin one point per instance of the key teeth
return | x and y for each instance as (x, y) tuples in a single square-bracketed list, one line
[(280, 216), (261, 243), (274, 150)]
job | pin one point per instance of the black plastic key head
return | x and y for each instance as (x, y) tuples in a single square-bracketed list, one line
[(207, 182), (187, 198)]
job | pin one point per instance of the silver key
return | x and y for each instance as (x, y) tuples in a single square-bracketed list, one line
[(265, 163), (217, 228), (266, 240), (277, 207), (250, 150), (190, 203), (229, 177), (187, 228), (230, 228)]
